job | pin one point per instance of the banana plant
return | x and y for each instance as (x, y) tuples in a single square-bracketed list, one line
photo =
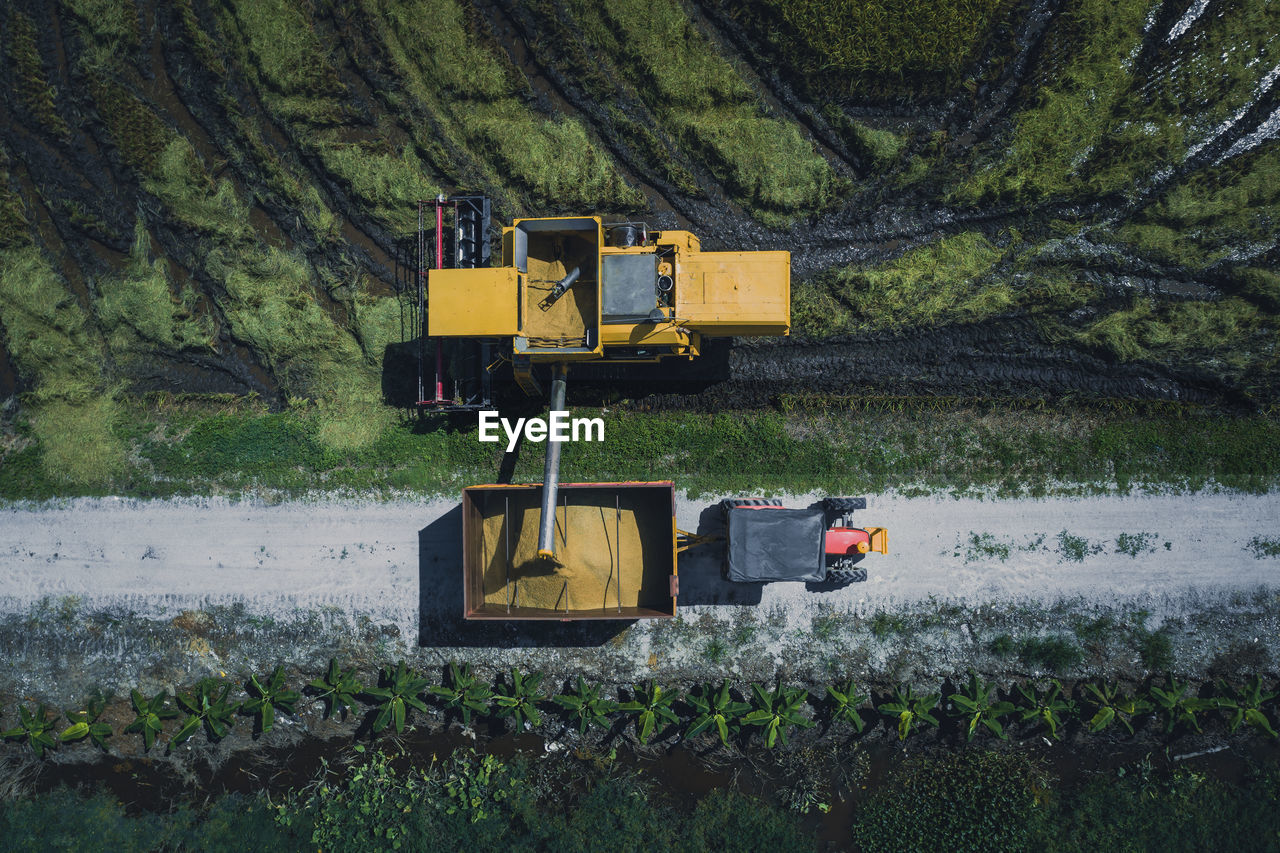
[(337, 689), (1245, 706), (651, 705), (464, 693), (1177, 707), (586, 706), (150, 716), (911, 710), (715, 708), (979, 702), (1114, 706), (844, 702), (1049, 707), (520, 702), (402, 686), (86, 723), (206, 706), (264, 700), (777, 711), (36, 729)]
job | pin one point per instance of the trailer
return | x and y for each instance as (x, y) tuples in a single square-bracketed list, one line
[(613, 552)]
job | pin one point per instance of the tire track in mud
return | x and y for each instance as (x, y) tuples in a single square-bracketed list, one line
[(1005, 357)]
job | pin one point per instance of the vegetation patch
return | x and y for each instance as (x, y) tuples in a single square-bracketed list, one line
[(471, 98), (140, 311), (968, 801), (767, 164), (1086, 72), (54, 346), (1264, 546), (33, 87), (943, 282), (880, 48)]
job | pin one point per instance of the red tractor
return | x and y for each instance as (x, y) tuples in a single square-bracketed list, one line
[(769, 542)]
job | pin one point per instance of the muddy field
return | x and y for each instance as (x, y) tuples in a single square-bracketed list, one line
[(170, 119)]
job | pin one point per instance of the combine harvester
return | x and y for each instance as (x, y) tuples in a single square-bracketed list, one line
[(573, 291)]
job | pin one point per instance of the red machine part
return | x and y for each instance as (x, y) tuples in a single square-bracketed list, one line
[(847, 541)]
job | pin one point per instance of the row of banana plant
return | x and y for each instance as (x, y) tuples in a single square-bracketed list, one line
[(730, 713)]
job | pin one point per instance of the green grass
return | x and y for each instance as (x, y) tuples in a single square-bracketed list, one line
[(877, 48), (139, 310), (32, 85), (1134, 544), (1264, 546), (969, 801), (72, 411), (984, 546), (1084, 76), (1075, 548), (1052, 654), (943, 282), (1214, 212), (702, 101), (347, 441), (475, 102), (1231, 330)]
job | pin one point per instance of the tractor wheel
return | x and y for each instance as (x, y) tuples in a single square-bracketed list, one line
[(840, 505), (844, 577), (730, 503)]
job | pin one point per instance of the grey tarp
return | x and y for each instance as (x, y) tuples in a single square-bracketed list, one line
[(776, 544)]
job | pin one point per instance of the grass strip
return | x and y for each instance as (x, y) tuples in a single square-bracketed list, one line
[(188, 447)]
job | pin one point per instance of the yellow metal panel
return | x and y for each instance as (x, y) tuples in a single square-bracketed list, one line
[(479, 303), (643, 334), (735, 293)]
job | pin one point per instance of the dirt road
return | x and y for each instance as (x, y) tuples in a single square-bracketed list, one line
[(399, 563)]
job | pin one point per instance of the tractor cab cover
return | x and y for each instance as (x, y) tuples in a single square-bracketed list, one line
[(774, 544)]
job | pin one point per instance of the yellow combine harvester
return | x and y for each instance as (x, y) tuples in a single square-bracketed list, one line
[(573, 289)]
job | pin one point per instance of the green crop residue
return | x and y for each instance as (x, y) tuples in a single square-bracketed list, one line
[(389, 185), (109, 30), (941, 282), (1215, 212), (478, 105), (278, 45), (32, 86), (875, 48), (138, 307), (15, 230), (284, 177), (196, 200), (48, 335), (700, 98), (1231, 330), (1087, 71)]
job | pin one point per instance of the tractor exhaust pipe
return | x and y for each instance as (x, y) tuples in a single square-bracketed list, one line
[(551, 472)]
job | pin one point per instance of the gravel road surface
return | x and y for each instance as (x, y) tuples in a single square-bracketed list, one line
[(400, 562)]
